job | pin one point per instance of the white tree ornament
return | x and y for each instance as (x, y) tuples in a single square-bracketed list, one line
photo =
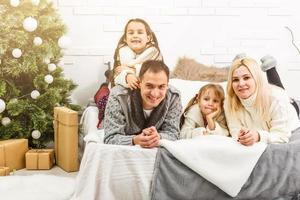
[(30, 24), (37, 41), (5, 121), (14, 3), (17, 53), (35, 2), (47, 60), (36, 134), (51, 67), (64, 42), (35, 94), (2, 105), (48, 79)]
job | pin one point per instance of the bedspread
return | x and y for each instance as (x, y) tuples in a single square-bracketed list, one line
[(219, 159), (275, 176), (114, 172)]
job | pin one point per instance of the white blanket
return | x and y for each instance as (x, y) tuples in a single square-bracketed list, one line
[(114, 171), (221, 160)]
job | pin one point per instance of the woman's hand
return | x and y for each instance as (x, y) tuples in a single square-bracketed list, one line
[(248, 137), (132, 81)]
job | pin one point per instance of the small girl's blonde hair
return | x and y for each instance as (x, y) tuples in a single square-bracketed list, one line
[(262, 101), (219, 92)]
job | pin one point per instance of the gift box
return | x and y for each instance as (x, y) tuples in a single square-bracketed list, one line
[(66, 138), (4, 171), (12, 153), (40, 159)]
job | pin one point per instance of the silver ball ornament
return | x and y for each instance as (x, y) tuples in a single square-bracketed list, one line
[(36, 134), (48, 79), (35, 94), (30, 24), (5, 121), (17, 53), (37, 41), (51, 67)]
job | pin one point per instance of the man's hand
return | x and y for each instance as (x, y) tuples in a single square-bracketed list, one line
[(149, 138), (132, 81), (248, 137)]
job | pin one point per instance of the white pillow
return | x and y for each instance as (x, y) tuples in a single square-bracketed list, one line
[(189, 89)]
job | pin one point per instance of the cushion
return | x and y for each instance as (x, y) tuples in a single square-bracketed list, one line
[(189, 69)]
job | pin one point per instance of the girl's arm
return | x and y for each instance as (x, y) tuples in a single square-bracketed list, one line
[(218, 130), (131, 59), (193, 123), (213, 127)]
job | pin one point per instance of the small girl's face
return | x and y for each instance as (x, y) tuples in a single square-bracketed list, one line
[(136, 36), (209, 102)]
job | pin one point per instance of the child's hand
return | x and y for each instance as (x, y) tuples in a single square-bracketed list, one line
[(213, 114), (132, 81)]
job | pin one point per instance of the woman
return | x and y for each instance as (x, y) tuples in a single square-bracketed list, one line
[(255, 110)]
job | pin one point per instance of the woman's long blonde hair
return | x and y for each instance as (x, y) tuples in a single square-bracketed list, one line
[(219, 92), (262, 100)]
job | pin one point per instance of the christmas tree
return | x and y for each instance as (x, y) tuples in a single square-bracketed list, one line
[(31, 81)]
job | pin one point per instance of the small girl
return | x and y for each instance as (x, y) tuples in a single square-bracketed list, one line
[(137, 44), (204, 113)]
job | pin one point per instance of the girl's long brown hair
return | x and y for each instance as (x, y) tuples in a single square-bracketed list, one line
[(153, 42)]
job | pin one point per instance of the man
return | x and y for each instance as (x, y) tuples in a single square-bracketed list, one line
[(145, 115)]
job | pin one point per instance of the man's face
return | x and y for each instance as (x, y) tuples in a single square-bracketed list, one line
[(153, 88)]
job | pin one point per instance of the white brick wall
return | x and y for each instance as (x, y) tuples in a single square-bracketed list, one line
[(210, 31)]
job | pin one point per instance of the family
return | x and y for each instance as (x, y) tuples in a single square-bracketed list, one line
[(143, 108)]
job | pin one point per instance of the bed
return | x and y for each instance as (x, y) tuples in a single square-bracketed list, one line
[(130, 172)]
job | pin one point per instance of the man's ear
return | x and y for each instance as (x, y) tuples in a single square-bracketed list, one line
[(139, 82)]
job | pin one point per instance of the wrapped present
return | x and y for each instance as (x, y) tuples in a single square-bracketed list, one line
[(4, 171), (66, 138), (12, 153), (40, 159)]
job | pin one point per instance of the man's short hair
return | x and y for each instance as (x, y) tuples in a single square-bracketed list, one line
[(154, 66)]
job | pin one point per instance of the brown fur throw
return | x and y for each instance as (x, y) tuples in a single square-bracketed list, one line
[(189, 69)]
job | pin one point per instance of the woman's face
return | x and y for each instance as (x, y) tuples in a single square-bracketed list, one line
[(243, 83), (136, 36)]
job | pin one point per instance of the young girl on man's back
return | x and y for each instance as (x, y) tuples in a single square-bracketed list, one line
[(204, 113), (137, 44)]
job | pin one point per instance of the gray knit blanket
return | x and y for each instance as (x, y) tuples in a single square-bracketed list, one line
[(275, 176)]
